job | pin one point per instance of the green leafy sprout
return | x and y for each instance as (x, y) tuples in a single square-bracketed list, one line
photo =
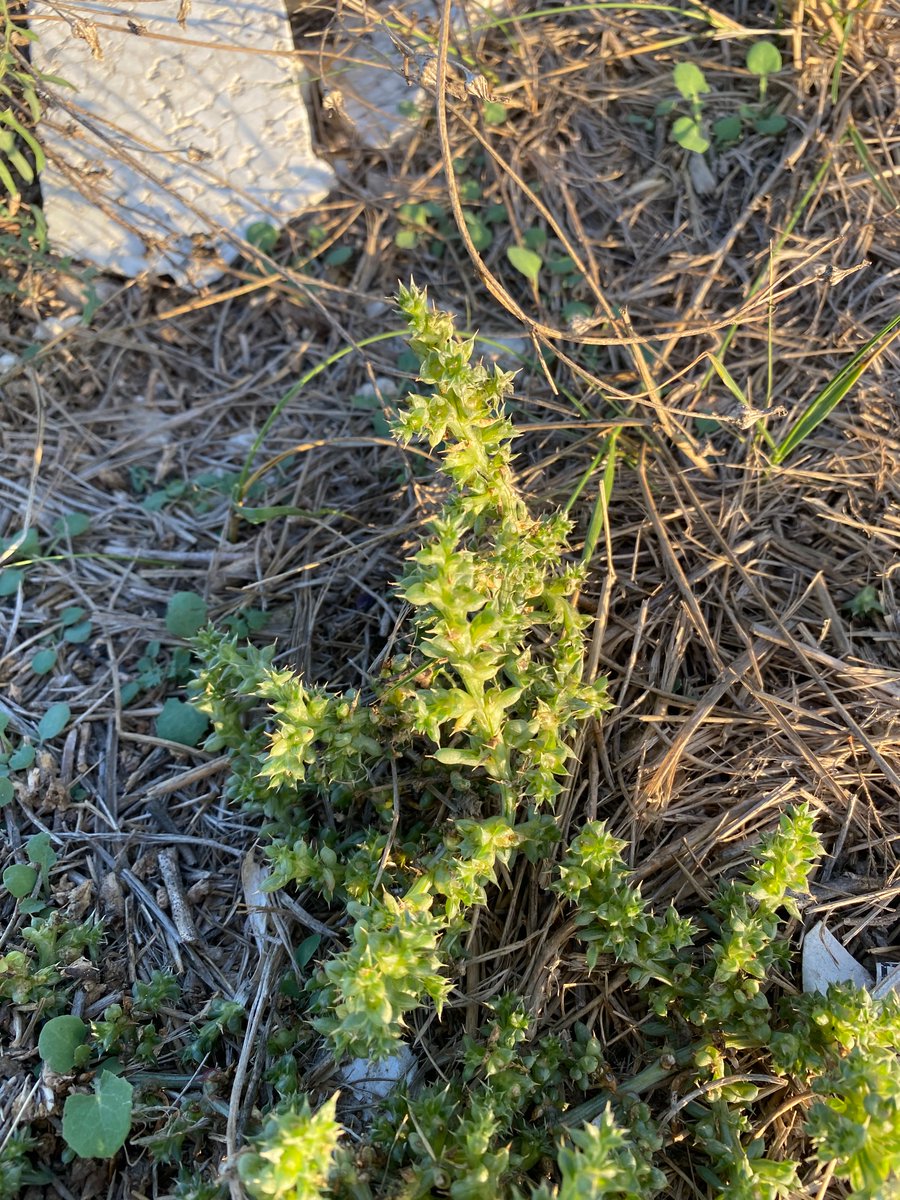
[(689, 130)]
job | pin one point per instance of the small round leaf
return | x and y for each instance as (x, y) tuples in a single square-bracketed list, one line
[(764, 58), (76, 635), (773, 124), (19, 880), (338, 255), (22, 757), (185, 614), (43, 662), (39, 849), (262, 235), (525, 261), (59, 1041), (690, 81), (73, 524), (687, 133), (728, 130), (54, 721), (6, 792), (10, 582), (181, 723), (406, 239)]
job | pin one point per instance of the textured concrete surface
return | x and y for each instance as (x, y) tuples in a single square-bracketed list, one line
[(186, 131)]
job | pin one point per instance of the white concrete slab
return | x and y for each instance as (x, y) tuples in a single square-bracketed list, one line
[(187, 130)]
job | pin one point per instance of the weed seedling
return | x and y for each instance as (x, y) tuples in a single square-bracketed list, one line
[(689, 130)]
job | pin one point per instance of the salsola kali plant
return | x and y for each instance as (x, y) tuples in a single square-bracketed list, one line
[(489, 684), (435, 777)]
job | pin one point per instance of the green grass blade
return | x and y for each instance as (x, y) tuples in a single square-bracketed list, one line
[(727, 378), (836, 389), (871, 170), (601, 506), (763, 275)]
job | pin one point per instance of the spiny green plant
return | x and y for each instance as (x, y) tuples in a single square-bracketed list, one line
[(447, 766), (509, 1100), (484, 697)]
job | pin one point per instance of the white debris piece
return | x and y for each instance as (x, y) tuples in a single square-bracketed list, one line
[(365, 1082), (825, 961), (181, 132), (365, 84), (888, 980)]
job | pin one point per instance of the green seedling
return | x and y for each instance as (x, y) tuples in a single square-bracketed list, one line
[(687, 130), (864, 603), (763, 59), (75, 628), (202, 493), (243, 624), (222, 1017), (154, 668), (21, 551)]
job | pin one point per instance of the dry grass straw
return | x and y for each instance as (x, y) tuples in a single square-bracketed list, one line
[(741, 683)]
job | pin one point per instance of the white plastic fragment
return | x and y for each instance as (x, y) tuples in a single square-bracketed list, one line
[(254, 875), (365, 1082), (825, 961), (888, 980), (185, 132), (52, 327)]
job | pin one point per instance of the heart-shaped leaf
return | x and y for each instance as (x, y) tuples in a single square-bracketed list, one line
[(180, 722), (97, 1126)]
